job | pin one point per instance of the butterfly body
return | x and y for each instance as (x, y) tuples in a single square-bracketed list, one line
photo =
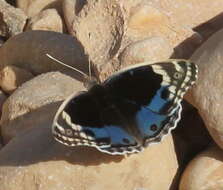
[(127, 112)]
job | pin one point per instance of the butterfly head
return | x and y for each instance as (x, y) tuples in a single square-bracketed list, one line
[(89, 82)]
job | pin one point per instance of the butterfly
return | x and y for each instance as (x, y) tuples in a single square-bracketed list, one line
[(130, 110)]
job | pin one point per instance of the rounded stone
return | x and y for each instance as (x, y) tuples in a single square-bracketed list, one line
[(35, 101), (48, 19), (36, 6), (98, 25), (30, 49), (207, 93), (11, 77), (13, 20), (151, 49), (35, 159), (204, 171)]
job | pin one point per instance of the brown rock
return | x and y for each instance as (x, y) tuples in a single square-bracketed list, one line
[(34, 102), (36, 6), (35, 159), (98, 25), (24, 4), (146, 21), (188, 14), (151, 49), (204, 171), (11, 77), (207, 93), (3, 97), (33, 47), (48, 19), (12, 20)]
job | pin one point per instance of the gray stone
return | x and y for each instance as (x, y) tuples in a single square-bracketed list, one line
[(35, 101), (208, 92)]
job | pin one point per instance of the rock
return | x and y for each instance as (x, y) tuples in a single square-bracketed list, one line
[(13, 20), (3, 97), (33, 47), (186, 48), (48, 19), (34, 102), (151, 49), (24, 4), (187, 14), (204, 171), (191, 136), (11, 77), (98, 25), (34, 7), (146, 20), (207, 92), (190, 13), (34, 159)]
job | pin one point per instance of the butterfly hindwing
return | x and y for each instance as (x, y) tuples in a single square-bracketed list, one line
[(130, 110), (87, 119), (153, 126)]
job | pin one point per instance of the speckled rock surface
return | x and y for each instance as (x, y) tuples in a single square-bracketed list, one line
[(34, 101), (12, 77), (208, 92), (109, 34), (33, 47), (3, 97), (151, 49), (12, 20), (48, 19), (32, 8), (204, 171), (24, 4), (101, 39)]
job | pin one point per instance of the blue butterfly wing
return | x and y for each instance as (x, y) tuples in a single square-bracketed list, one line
[(127, 112), (153, 126), (159, 86), (85, 119), (158, 90)]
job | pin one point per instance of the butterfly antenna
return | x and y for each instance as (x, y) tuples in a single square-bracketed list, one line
[(89, 68), (89, 62), (86, 76)]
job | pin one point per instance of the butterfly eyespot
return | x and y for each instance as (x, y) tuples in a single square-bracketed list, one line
[(177, 75), (126, 140), (69, 132), (153, 127)]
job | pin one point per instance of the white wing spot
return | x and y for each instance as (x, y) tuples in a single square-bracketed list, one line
[(83, 135), (172, 89)]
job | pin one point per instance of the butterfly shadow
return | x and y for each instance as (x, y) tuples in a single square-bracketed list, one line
[(190, 138), (37, 144)]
